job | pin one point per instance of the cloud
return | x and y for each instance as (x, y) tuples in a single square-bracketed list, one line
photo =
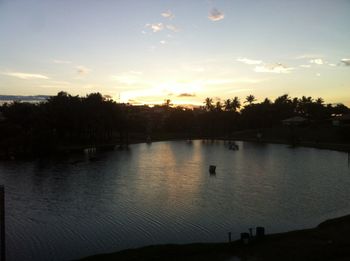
[(172, 28), (216, 15), (332, 64), (305, 65), (156, 27), (273, 68), (168, 14), (308, 56), (162, 42), (25, 76), (62, 62), (268, 68), (82, 70), (186, 95), (345, 62), (248, 61), (318, 61)]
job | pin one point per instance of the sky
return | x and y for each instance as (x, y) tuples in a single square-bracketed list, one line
[(146, 51)]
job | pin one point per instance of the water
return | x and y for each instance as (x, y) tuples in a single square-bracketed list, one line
[(162, 193)]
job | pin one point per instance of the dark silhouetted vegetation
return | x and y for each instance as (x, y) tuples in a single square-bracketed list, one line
[(65, 122)]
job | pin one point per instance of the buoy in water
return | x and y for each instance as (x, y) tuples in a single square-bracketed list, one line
[(212, 169)]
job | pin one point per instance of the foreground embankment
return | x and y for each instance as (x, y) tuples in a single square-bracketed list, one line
[(328, 241)]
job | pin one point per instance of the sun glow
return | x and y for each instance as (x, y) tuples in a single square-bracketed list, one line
[(178, 92)]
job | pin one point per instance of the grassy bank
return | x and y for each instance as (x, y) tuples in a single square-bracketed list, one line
[(328, 241)]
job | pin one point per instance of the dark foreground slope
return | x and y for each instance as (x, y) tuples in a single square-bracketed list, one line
[(328, 241)]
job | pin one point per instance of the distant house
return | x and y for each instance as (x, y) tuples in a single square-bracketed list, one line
[(294, 121), (341, 120)]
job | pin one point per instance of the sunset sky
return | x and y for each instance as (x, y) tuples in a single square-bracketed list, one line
[(145, 51)]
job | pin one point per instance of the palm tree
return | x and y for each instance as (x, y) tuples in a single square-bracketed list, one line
[(235, 103), (319, 101), (227, 105), (167, 103), (250, 99), (284, 99), (267, 101), (304, 105), (209, 104), (218, 106)]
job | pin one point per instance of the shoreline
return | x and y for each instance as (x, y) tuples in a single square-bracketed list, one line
[(327, 241), (306, 144), (342, 147)]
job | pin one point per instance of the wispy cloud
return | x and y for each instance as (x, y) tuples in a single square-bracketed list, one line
[(82, 70), (262, 67), (345, 62), (216, 15), (248, 61), (181, 95), (172, 28), (308, 56), (305, 65), (156, 27), (168, 14), (318, 61), (25, 76), (273, 68), (62, 61)]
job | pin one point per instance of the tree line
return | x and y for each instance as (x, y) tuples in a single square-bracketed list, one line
[(66, 121)]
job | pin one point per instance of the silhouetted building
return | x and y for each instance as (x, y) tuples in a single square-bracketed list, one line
[(294, 121), (343, 120)]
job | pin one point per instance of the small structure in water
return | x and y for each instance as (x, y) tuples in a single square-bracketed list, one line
[(212, 169), (245, 238), (233, 146), (148, 140), (260, 232)]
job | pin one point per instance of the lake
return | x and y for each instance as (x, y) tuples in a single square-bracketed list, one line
[(67, 208)]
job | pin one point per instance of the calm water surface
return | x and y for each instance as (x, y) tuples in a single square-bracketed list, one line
[(162, 193)]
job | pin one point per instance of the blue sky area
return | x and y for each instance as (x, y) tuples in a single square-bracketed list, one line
[(147, 51)]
